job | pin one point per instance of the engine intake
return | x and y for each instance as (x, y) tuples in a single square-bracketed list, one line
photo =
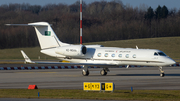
[(72, 50), (83, 49)]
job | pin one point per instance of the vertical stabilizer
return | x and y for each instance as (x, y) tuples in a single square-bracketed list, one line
[(46, 36)]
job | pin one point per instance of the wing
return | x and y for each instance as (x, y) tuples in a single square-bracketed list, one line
[(28, 60)]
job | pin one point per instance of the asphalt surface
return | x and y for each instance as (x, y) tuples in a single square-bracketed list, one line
[(147, 78), (14, 99)]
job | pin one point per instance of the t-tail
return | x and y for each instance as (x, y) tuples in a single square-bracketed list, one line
[(46, 36)]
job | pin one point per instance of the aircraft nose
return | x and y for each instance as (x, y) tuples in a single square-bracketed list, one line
[(172, 61)]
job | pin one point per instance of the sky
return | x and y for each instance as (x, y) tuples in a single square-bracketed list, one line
[(134, 3)]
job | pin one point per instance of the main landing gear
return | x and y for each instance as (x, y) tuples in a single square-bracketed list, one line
[(85, 71), (104, 71), (162, 72)]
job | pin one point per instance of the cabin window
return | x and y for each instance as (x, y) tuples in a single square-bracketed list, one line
[(113, 55), (155, 54), (127, 55), (106, 55), (120, 55), (99, 55), (134, 56)]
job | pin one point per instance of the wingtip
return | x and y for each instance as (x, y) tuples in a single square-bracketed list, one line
[(7, 24), (137, 47), (27, 59)]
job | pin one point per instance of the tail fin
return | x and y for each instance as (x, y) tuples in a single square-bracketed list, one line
[(46, 36), (27, 59)]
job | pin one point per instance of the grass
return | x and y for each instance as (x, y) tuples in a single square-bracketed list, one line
[(153, 95), (15, 54), (169, 45)]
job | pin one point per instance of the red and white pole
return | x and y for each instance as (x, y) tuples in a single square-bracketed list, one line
[(80, 22)]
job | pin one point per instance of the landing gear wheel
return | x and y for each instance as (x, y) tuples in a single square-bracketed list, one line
[(103, 72), (162, 74), (85, 73)]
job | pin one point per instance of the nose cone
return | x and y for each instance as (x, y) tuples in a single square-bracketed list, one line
[(171, 61), (174, 62)]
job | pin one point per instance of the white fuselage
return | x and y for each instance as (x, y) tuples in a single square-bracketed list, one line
[(117, 56)]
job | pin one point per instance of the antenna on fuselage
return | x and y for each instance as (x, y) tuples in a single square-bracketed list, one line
[(80, 22)]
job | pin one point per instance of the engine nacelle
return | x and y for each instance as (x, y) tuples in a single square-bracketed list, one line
[(72, 50), (94, 46)]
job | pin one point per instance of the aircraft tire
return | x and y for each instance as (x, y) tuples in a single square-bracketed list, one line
[(85, 73), (162, 74), (103, 72)]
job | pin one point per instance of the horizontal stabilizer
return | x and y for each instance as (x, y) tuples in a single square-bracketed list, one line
[(38, 24), (16, 24)]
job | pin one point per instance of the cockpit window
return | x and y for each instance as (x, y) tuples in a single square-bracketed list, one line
[(156, 54), (161, 54)]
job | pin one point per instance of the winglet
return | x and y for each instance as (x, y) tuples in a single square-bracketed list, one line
[(127, 66), (137, 47), (27, 59)]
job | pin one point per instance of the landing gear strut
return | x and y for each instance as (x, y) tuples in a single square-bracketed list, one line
[(162, 72), (104, 71), (85, 71)]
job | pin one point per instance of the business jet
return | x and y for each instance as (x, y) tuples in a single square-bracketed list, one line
[(94, 55)]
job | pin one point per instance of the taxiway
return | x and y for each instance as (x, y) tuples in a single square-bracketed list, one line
[(138, 78)]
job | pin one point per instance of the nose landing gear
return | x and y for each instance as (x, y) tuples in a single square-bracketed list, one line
[(162, 72)]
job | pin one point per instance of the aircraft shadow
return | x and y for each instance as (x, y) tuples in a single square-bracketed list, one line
[(144, 75)]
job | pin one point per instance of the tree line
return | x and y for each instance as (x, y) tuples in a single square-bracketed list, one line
[(102, 21)]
